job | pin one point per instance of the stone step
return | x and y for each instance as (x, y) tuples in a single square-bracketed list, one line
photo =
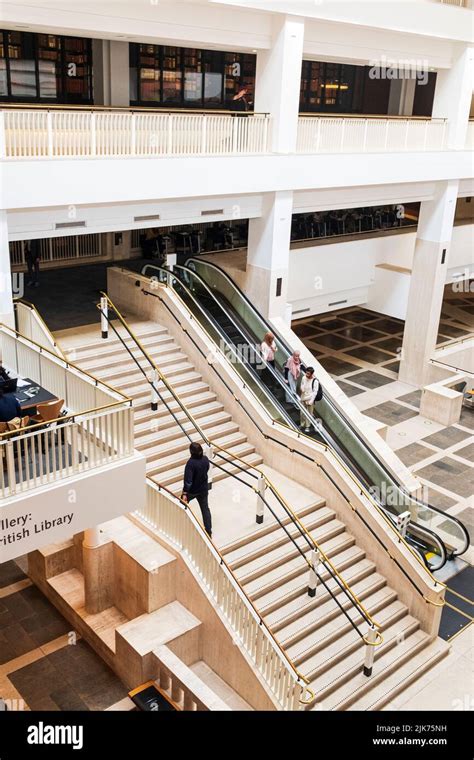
[(264, 544), (296, 568), (277, 558)]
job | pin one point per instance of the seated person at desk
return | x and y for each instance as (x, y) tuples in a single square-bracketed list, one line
[(4, 376), (9, 406)]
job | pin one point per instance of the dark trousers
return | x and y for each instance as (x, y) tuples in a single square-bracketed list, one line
[(33, 269), (205, 511)]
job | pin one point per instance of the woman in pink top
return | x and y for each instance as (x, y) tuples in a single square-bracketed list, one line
[(268, 348)]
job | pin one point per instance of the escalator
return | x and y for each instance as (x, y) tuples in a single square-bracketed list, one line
[(235, 325)]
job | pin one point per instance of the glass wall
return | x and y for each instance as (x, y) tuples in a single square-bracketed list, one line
[(45, 68), (191, 78)]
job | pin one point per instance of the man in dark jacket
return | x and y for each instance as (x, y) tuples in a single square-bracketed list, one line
[(196, 484), (9, 407), (32, 256)]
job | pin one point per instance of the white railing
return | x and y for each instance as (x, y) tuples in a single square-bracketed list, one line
[(64, 134), (356, 135), (30, 324), (97, 429), (459, 3), (177, 524), (183, 686), (77, 445), (64, 248)]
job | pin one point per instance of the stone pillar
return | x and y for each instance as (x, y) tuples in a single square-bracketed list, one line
[(277, 85), (277, 92), (6, 299), (111, 72), (453, 94), (428, 279), (268, 254), (97, 563)]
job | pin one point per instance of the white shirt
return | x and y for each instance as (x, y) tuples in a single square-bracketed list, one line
[(308, 389)]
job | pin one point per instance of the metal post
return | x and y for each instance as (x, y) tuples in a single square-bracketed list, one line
[(104, 310), (314, 558), (370, 638), (261, 485), (154, 394), (402, 522), (208, 452)]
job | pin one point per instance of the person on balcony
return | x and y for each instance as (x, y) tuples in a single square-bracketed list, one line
[(309, 393), (32, 257), (293, 370), (10, 409), (196, 483)]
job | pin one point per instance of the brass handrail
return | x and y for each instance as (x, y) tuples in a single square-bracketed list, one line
[(385, 117), (127, 109), (235, 579), (68, 363), (43, 324), (268, 482), (368, 495), (326, 448)]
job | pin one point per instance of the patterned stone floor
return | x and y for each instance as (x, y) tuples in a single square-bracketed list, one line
[(44, 665), (365, 366)]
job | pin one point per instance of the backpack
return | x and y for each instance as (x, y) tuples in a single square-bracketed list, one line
[(319, 392)]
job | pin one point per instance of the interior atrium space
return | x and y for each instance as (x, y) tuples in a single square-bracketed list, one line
[(236, 373)]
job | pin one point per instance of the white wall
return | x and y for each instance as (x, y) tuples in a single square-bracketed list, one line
[(39, 183), (360, 272)]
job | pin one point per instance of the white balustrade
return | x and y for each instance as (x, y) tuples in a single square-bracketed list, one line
[(30, 324), (62, 134), (97, 430), (168, 517), (359, 135), (29, 460)]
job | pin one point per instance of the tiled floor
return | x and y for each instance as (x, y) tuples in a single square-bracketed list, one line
[(42, 661), (443, 458)]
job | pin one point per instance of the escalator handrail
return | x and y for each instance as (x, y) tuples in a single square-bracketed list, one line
[(431, 537), (400, 539), (362, 490), (335, 408), (309, 539)]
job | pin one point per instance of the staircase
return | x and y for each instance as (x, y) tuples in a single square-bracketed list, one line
[(314, 632), (316, 635), (157, 435)]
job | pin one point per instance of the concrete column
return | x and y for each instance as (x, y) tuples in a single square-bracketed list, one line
[(428, 279), (6, 298), (268, 254), (402, 96), (111, 72), (453, 94), (97, 564), (277, 85)]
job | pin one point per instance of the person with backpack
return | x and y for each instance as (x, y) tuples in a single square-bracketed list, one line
[(310, 391)]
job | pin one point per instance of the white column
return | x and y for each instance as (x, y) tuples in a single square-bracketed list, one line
[(428, 279), (277, 85), (453, 94), (268, 254), (111, 68), (6, 298)]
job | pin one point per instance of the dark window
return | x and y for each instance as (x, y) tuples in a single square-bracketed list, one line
[(424, 96), (188, 77), (341, 88), (45, 68)]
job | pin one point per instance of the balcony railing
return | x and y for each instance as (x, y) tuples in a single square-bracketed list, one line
[(373, 135), (97, 429), (113, 134)]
